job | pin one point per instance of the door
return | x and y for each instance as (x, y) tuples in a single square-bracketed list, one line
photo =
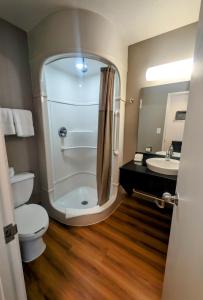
[(174, 126), (12, 285), (184, 267)]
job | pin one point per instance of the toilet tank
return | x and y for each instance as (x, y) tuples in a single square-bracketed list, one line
[(22, 187)]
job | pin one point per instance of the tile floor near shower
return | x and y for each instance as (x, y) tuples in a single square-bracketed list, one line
[(120, 258)]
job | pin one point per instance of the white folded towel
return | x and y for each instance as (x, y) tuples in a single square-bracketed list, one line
[(23, 122), (6, 121)]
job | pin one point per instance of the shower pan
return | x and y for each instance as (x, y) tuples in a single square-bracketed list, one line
[(71, 89)]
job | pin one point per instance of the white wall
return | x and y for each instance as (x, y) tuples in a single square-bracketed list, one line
[(77, 119), (81, 122), (64, 87), (60, 86)]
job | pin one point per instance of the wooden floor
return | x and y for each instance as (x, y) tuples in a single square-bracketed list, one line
[(120, 258)]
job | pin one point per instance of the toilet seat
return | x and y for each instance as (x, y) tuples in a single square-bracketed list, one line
[(32, 221)]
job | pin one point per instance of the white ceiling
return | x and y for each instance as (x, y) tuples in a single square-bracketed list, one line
[(136, 19)]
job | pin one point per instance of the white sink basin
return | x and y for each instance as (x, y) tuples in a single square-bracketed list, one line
[(163, 166)]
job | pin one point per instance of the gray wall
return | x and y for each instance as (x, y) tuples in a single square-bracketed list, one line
[(15, 92), (152, 114), (174, 45)]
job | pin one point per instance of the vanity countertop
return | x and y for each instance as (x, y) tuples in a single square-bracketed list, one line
[(135, 176), (142, 168)]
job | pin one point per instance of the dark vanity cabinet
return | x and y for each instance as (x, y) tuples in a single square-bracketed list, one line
[(136, 176)]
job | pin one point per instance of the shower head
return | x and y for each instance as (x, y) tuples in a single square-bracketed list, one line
[(84, 69), (82, 66)]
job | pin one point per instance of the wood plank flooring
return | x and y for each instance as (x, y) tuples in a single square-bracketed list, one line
[(123, 257)]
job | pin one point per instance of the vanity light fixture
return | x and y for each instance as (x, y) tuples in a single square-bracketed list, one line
[(178, 70)]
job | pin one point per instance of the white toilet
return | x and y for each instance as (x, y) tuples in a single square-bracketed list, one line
[(32, 220)]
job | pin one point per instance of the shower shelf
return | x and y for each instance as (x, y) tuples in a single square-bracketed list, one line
[(81, 131), (73, 103), (77, 147)]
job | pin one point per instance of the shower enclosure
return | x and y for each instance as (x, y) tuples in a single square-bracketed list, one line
[(72, 86)]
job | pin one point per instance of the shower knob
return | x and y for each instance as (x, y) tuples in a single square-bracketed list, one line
[(62, 132)]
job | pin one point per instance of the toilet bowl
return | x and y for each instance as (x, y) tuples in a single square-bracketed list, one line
[(32, 219)]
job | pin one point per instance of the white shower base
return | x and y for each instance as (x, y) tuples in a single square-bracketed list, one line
[(79, 195), (80, 198)]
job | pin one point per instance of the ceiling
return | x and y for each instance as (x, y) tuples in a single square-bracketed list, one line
[(136, 20)]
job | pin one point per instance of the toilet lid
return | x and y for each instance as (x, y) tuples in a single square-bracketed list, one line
[(30, 218)]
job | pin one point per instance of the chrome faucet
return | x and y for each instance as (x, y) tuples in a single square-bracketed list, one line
[(169, 153)]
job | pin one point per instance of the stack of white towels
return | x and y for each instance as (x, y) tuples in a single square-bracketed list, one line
[(16, 121)]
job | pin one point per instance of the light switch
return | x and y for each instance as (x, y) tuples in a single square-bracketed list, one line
[(158, 131)]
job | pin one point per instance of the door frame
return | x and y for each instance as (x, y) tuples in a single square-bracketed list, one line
[(12, 285), (184, 265)]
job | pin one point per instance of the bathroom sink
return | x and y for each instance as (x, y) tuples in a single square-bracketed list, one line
[(163, 166)]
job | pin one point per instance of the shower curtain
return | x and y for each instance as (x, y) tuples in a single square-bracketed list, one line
[(105, 127)]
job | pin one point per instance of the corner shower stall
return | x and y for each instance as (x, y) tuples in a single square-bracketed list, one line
[(72, 87)]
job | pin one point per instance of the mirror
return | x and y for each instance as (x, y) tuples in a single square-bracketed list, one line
[(162, 117)]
